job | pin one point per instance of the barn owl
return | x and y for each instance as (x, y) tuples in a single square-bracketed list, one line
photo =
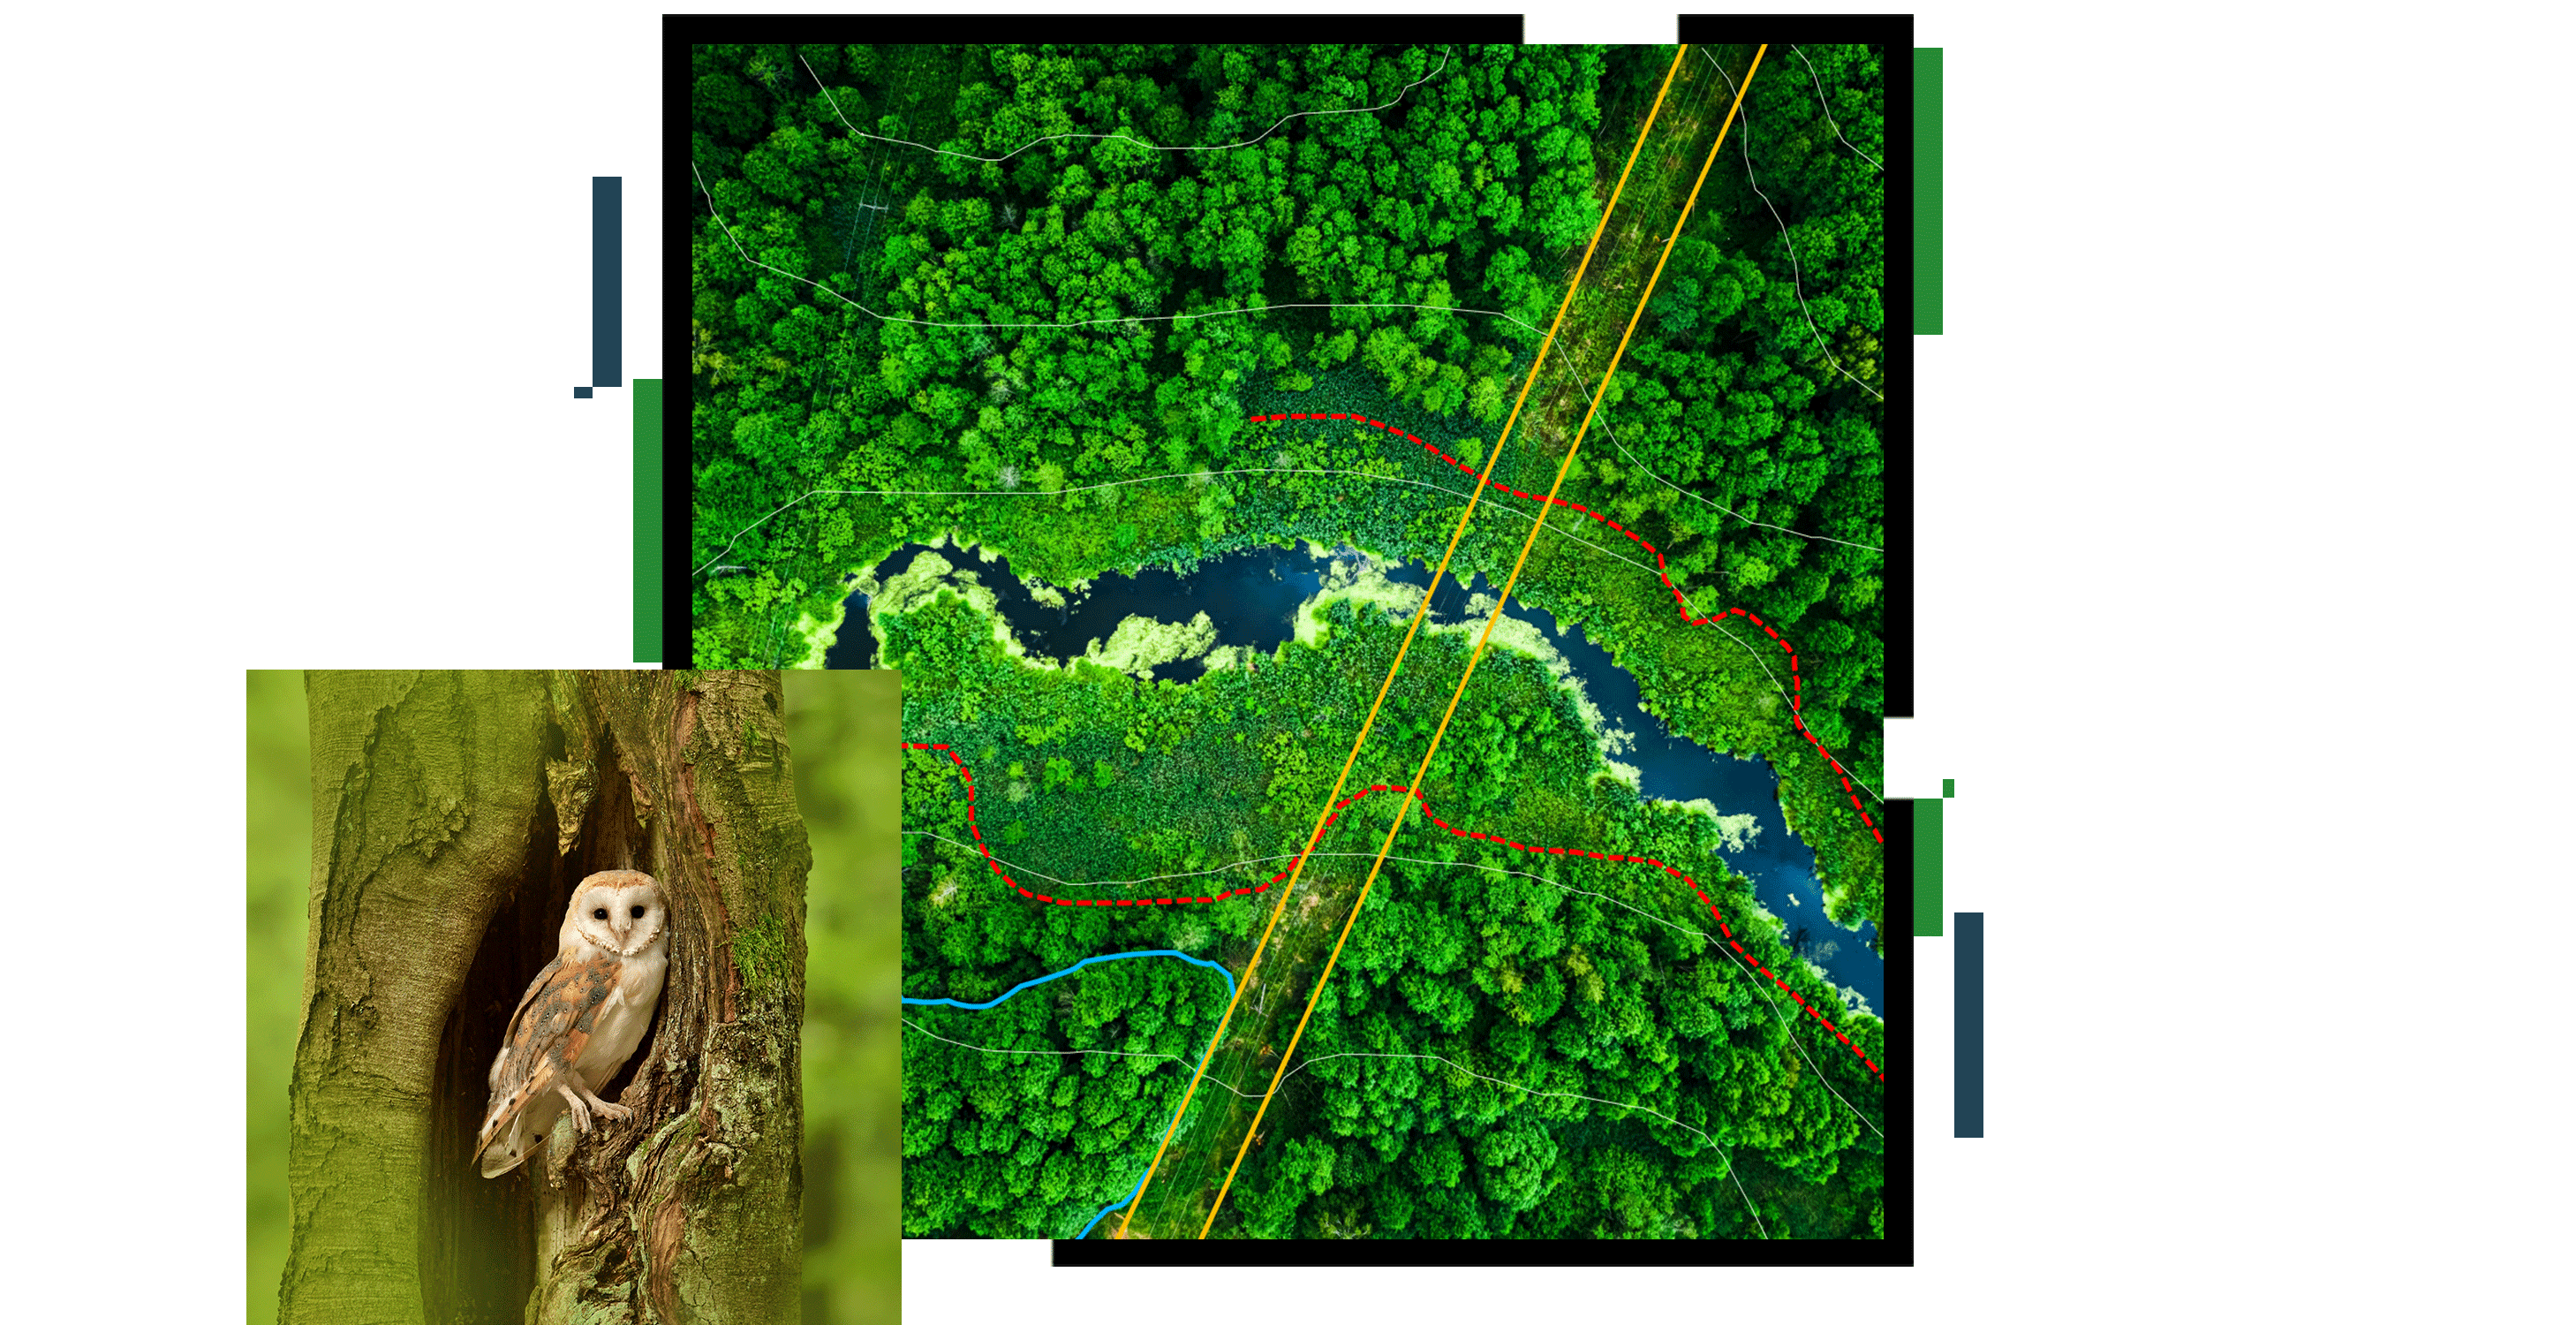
[(580, 1020)]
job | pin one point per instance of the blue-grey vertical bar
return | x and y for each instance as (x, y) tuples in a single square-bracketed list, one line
[(1968, 948), (607, 319)]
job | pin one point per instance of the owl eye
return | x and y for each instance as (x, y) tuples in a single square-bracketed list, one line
[(600, 914), (635, 911)]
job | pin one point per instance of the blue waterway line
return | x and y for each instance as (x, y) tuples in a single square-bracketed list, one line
[(1111, 957), (1108, 957)]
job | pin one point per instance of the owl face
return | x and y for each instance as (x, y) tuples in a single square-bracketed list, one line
[(619, 911)]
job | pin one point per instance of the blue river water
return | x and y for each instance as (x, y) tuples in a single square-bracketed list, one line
[(1675, 768), (1252, 597), (1058, 975)]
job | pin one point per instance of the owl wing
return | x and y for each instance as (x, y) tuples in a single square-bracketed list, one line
[(510, 1037), (545, 1041)]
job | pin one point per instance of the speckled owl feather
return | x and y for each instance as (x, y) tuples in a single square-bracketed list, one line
[(580, 1020)]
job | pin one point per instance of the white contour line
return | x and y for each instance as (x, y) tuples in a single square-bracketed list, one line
[(1757, 655), (1332, 855), (1614, 437), (1795, 282), (1829, 110), (1722, 1151), (1266, 860), (1614, 440), (1770, 1002), (1761, 524), (1050, 1053), (1228, 147), (1177, 317), (1764, 662), (1087, 322), (1714, 940), (1713, 1142), (1539, 517), (1120, 483), (1415, 860)]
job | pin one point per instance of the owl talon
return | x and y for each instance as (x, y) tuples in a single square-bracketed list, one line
[(584, 1104), (580, 1108)]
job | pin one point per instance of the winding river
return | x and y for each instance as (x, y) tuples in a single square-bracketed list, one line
[(1252, 597)]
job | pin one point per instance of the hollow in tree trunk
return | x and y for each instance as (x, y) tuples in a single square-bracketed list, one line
[(453, 814)]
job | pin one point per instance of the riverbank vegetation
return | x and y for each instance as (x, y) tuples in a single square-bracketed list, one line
[(1511, 1045), (1741, 435)]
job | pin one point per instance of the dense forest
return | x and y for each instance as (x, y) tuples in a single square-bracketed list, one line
[(1011, 185), (1034, 300), (1512, 1046)]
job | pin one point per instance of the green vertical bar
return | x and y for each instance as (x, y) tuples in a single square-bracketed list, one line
[(1949, 788), (1927, 191), (648, 519), (1927, 869)]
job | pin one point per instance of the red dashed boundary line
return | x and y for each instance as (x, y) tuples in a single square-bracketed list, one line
[(1336, 813), (1797, 684)]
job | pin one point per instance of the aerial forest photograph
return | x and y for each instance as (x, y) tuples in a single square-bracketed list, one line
[(1384, 550)]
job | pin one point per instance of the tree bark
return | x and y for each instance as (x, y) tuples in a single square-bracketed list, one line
[(454, 813)]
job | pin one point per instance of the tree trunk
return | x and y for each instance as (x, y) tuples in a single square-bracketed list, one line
[(453, 814)]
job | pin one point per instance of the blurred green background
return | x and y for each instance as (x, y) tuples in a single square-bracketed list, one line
[(845, 740), (843, 735), (281, 846)]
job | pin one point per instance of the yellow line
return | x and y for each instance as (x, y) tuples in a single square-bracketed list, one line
[(1276, 1073), (1296, 871)]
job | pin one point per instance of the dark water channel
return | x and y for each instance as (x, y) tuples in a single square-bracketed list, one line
[(1252, 598)]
